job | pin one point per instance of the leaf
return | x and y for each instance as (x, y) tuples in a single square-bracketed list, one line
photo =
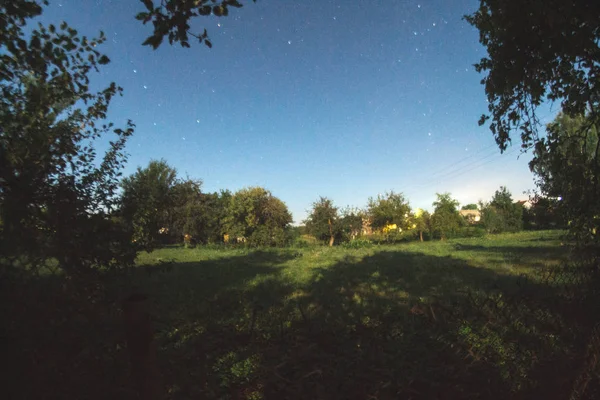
[(234, 3), (142, 16), (149, 4), (154, 41), (204, 10), (218, 11), (103, 60), (208, 43)]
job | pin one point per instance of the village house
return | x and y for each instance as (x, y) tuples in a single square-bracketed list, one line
[(472, 216)]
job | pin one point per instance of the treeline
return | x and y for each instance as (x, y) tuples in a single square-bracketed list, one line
[(390, 218), (159, 208)]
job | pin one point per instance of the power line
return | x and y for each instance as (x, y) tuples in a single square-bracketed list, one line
[(472, 166), (466, 166), (474, 154)]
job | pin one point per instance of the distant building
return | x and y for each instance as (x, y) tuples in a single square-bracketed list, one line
[(472, 216), (524, 203)]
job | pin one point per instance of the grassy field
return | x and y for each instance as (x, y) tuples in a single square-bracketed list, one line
[(454, 319)]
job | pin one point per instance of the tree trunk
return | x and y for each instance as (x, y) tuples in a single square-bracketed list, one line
[(142, 348), (421, 235), (331, 240), (331, 235)]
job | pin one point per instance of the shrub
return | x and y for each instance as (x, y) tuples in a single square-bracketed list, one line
[(264, 236), (189, 241), (471, 231), (357, 244)]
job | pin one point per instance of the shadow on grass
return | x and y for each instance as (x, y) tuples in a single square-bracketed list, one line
[(529, 256), (391, 325)]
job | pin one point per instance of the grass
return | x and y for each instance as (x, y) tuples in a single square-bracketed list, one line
[(414, 320), (465, 318)]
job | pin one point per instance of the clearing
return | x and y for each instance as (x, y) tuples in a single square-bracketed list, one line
[(455, 319)]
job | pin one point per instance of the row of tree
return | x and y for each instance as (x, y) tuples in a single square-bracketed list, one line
[(159, 207), (391, 215)]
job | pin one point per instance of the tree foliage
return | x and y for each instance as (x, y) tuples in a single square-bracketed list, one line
[(172, 18), (470, 207), (422, 222), (544, 213), (162, 208), (56, 195), (351, 223), (200, 216), (148, 201), (323, 222), (502, 214), (445, 219), (391, 208), (510, 211), (258, 217), (537, 51), (566, 167)]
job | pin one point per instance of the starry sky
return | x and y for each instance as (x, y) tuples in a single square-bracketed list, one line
[(337, 98)]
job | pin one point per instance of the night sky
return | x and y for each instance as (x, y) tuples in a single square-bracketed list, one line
[(344, 99)]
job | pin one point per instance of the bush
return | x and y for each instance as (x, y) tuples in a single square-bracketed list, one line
[(471, 231), (357, 244), (189, 241), (264, 236), (502, 214), (302, 244)]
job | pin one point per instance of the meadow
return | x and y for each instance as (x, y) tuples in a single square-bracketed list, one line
[(490, 317), (463, 318)]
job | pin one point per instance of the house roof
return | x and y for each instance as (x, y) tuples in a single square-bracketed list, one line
[(469, 212)]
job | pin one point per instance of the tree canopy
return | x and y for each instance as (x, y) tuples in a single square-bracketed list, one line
[(502, 214), (56, 195), (537, 51), (172, 18), (260, 218), (389, 209), (445, 219), (421, 222), (323, 222), (566, 167), (147, 201)]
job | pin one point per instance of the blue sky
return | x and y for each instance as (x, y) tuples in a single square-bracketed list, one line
[(344, 99)]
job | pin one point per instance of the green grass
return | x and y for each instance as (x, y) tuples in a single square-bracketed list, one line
[(415, 320), (479, 318)]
